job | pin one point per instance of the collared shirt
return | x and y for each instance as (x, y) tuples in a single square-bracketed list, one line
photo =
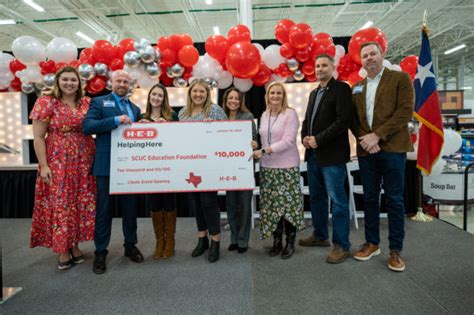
[(319, 96), (128, 108), (371, 89)]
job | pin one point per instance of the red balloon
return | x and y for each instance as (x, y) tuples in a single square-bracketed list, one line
[(322, 36), (15, 84), (96, 85), (168, 56), (286, 50), (263, 75), (282, 29), (300, 35), (238, 33), (175, 42), (165, 79), (163, 43), (308, 68), (123, 46), (409, 65), (217, 46), (283, 70), (188, 72), (311, 77), (323, 46), (60, 65), (354, 77), (371, 34), (346, 67), (48, 67), (16, 65), (188, 55), (102, 51), (302, 54), (75, 63), (86, 56), (116, 64), (243, 60), (186, 39)]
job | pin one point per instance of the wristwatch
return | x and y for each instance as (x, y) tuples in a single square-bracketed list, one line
[(264, 152)]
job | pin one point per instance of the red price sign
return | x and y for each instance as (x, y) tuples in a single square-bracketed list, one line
[(229, 154)]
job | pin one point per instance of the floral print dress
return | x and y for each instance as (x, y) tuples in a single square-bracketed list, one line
[(64, 213)]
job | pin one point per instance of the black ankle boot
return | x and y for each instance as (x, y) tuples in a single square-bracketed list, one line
[(277, 246), (213, 251), (201, 246), (290, 246)]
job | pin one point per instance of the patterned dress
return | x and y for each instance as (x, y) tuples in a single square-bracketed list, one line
[(64, 213)]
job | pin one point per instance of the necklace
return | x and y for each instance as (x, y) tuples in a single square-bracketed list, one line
[(270, 126)]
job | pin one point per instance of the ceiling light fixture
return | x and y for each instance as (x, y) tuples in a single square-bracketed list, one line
[(467, 87), (366, 25), (216, 30), (35, 6), (85, 37), (7, 22), (450, 51), (209, 2)]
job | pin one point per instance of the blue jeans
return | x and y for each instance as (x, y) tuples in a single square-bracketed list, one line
[(389, 168), (324, 181)]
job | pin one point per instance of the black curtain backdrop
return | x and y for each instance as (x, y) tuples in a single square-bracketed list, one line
[(17, 187)]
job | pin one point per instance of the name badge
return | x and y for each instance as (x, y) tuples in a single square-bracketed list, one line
[(109, 103), (358, 89)]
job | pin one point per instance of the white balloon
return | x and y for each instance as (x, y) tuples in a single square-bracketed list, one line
[(335, 74), (271, 56), (452, 142), (340, 51), (145, 82), (61, 49), (243, 85), (136, 72), (260, 48), (224, 80), (396, 68), (276, 77), (387, 63), (362, 73), (5, 60), (28, 50), (33, 73), (438, 167)]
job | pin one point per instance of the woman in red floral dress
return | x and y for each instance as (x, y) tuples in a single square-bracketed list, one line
[(64, 211)]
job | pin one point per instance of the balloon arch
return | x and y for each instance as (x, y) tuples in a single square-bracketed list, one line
[(175, 61)]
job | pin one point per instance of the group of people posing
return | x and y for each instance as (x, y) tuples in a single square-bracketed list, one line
[(73, 203)]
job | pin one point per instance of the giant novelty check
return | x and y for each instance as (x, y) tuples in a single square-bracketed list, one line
[(181, 157)]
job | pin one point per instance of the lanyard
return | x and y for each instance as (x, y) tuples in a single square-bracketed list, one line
[(269, 132)]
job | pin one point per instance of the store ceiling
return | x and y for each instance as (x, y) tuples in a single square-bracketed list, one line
[(450, 22)]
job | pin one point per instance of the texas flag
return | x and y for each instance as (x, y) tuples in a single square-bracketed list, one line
[(427, 109)]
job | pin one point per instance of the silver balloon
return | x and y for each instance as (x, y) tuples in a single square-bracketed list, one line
[(109, 85), (141, 43), (180, 82), (411, 127), (147, 54), (292, 64), (27, 88), (48, 79), (157, 55), (213, 84), (153, 70), (177, 70), (86, 71), (169, 73), (40, 86), (298, 75), (101, 68), (132, 59)]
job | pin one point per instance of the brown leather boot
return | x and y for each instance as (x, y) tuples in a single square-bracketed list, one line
[(170, 230), (159, 228)]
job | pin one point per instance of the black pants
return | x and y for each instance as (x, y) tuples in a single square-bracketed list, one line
[(286, 225), (208, 217), (159, 202)]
